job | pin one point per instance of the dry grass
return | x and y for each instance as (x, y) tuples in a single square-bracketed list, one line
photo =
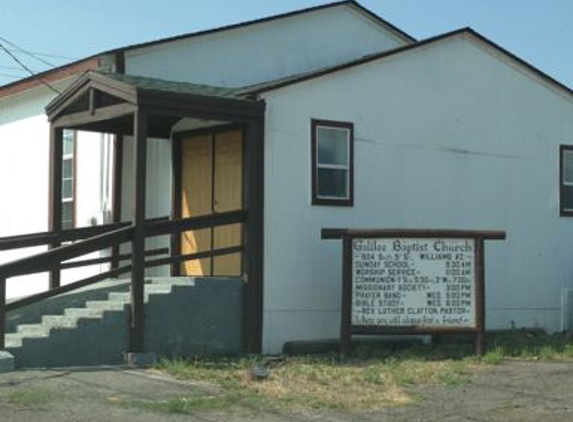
[(322, 382), (375, 376)]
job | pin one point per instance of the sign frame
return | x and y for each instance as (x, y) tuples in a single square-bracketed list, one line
[(347, 329)]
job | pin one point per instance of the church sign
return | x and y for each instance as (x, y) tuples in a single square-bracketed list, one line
[(412, 282)]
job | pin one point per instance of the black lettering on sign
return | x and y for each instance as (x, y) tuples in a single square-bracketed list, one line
[(409, 281)]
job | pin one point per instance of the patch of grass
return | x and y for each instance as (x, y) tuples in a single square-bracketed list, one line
[(493, 357), (31, 397), (374, 376), (568, 351), (531, 344), (190, 403)]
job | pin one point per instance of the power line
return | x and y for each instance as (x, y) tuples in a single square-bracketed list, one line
[(12, 68), (28, 69), (28, 53), (54, 56)]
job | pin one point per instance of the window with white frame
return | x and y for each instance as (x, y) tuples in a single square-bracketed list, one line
[(332, 162), (68, 179)]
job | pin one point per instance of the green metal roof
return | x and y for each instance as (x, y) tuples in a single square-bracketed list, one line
[(173, 86)]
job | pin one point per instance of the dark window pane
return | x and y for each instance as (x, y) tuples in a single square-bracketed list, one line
[(67, 214), (567, 198), (67, 169), (568, 167), (332, 183), (332, 145), (67, 188)]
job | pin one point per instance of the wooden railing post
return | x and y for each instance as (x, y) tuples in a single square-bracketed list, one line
[(55, 192), (480, 296), (138, 244), (2, 311)]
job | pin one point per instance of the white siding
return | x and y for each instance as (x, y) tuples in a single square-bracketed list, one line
[(446, 136), (24, 170), (158, 191), (265, 51)]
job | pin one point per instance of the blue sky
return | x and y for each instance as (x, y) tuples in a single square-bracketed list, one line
[(538, 31)]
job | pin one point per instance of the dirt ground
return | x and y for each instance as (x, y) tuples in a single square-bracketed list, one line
[(511, 391)]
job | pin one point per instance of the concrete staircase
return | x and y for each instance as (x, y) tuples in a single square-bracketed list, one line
[(93, 331)]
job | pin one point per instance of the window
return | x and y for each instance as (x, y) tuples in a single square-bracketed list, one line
[(566, 180), (68, 179), (332, 163)]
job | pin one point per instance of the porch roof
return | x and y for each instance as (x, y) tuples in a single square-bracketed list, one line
[(106, 102), (155, 84)]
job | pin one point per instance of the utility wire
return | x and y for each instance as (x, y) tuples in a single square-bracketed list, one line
[(28, 53), (53, 56), (28, 69), (12, 68)]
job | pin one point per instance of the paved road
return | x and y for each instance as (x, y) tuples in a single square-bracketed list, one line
[(513, 391)]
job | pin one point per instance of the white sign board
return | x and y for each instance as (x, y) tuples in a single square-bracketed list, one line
[(422, 282)]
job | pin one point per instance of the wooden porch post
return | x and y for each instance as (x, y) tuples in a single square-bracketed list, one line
[(2, 312), (253, 200), (117, 191), (175, 241), (138, 244), (55, 193)]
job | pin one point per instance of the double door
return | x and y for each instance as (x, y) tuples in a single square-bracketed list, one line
[(212, 182)]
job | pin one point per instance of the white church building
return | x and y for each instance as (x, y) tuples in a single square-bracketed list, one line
[(283, 126)]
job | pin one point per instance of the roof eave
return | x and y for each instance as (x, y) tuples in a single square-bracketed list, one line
[(467, 31), (93, 62)]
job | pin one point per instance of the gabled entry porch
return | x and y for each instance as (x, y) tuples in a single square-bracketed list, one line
[(216, 219)]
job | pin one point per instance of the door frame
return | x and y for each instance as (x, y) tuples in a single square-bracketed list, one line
[(176, 199)]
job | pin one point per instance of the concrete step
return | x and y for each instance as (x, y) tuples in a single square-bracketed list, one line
[(95, 331), (107, 305), (59, 321), (15, 340), (120, 297), (162, 289), (33, 330), (84, 312)]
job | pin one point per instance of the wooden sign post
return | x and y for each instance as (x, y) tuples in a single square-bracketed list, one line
[(412, 282)]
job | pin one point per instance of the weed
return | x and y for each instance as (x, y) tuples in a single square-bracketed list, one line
[(493, 357), (188, 404), (31, 398)]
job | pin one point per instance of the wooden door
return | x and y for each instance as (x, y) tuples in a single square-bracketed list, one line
[(212, 181)]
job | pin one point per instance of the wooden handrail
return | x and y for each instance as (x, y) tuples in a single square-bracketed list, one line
[(46, 238), (113, 273), (67, 288), (45, 261), (159, 228), (189, 257), (106, 259)]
